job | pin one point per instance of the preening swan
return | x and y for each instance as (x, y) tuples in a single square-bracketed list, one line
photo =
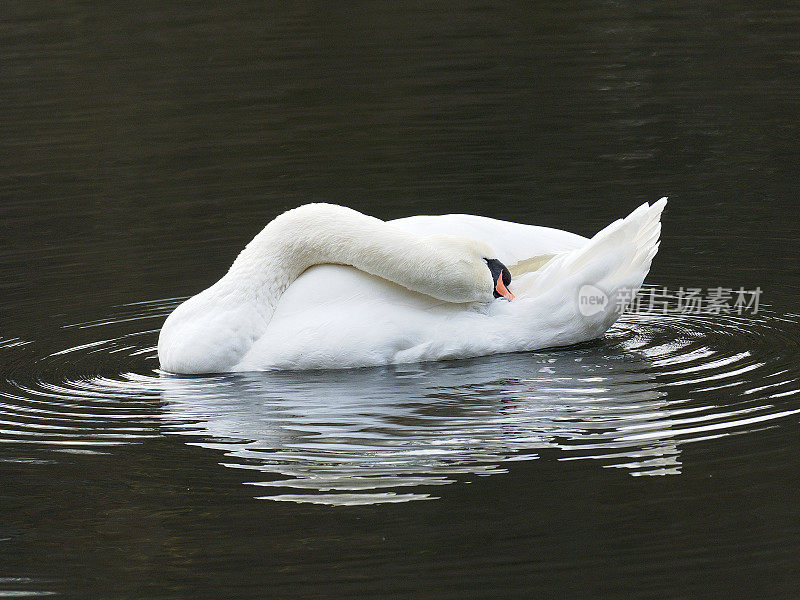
[(324, 286)]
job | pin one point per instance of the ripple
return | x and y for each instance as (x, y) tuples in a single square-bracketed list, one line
[(630, 401)]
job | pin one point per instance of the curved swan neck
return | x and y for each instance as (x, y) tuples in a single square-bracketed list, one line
[(449, 268)]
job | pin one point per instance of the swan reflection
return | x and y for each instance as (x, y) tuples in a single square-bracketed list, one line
[(366, 435)]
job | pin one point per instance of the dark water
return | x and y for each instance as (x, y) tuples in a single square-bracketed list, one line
[(142, 147)]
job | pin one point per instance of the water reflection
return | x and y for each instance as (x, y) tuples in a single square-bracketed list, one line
[(393, 434), (354, 437)]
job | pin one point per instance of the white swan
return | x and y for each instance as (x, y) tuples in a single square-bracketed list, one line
[(416, 289)]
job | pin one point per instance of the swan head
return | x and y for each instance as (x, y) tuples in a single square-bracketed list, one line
[(465, 270), (501, 278)]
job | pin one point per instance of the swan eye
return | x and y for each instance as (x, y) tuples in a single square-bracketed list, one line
[(501, 278)]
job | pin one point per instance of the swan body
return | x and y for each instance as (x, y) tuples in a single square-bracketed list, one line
[(323, 286)]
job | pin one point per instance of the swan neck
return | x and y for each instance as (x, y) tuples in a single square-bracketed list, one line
[(322, 233)]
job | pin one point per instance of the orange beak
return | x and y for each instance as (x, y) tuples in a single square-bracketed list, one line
[(502, 289)]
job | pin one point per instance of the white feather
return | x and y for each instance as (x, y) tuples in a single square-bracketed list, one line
[(334, 316)]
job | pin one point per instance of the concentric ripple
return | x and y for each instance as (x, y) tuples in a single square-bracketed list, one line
[(630, 401)]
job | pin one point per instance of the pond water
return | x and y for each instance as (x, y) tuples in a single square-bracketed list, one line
[(143, 146)]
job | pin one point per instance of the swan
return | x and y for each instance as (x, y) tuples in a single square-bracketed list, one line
[(324, 286)]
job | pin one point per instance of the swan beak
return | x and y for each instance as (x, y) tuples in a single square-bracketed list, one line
[(503, 290)]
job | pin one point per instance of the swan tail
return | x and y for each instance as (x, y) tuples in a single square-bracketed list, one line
[(604, 275)]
